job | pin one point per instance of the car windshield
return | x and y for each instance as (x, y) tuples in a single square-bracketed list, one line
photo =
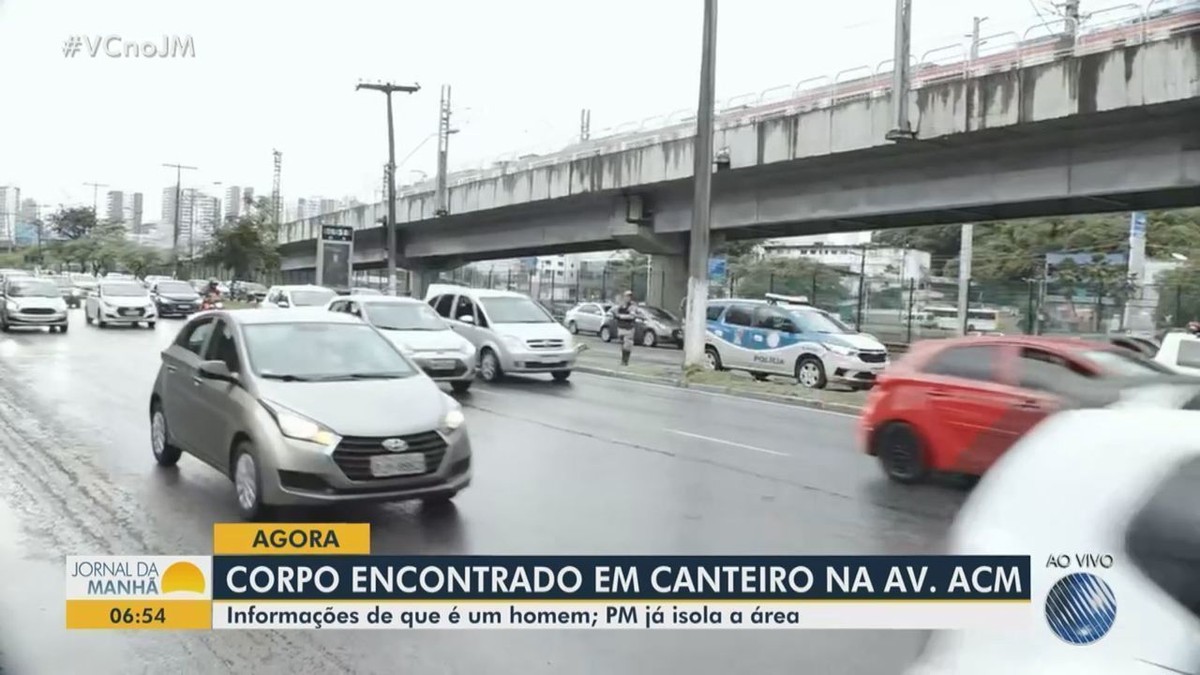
[(659, 314), (816, 321), (515, 310), (322, 352), (404, 316), (312, 297), (33, 288), (1125, 364), (123, 290), (175, 287)]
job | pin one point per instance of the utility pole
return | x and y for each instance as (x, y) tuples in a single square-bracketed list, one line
[(276, 196), (95, 197), (585, 125), (697, 297), (975, 39), (388, 89), (902, 127), (443, 200), (179, 168), (862, 286), (966, 249), (1071, 14)]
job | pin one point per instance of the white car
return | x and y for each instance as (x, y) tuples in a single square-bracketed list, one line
[(1085, 485), (512, 333), (300, 295), (419, 332), (1180, 352), (120, 302), (31, 302), (587, 317)]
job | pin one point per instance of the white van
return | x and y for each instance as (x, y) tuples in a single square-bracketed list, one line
[(511, 332)]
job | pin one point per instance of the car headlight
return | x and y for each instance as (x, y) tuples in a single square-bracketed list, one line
[(513, 341), (299, 427), (843, 350), (11, 306), (453, 418)]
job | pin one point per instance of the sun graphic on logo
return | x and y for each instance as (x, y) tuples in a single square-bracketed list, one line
[(182, 576)]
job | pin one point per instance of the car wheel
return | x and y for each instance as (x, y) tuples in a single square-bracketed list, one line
[(649, 339), (100, 320), (606, 333), (4, 324), (713, 358), (247, 481), (561, 375), (87, 316), (761, 377), (571, 326), (150, 325), (901, 453), (160, 439), (62, 328), (810, 372), (460, 387), (489, 366)]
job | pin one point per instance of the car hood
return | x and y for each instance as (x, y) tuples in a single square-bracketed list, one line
[(126, 301), (363, 407), (51, 303), (427, 340), (860, 341), (533, 331), (180, 297)]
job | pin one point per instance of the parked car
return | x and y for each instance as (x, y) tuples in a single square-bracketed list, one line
[(300, 295), (32, 302), (587, 317), (654, 326), (957, 404), (419, 332), (174, 298), (120, 302), (1123, 483), (803, 342), (306, 407), (511, 332)]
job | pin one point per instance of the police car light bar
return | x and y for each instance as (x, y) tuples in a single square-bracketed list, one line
[(779, 299)]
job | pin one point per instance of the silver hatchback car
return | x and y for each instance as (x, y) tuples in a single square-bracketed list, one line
[(306, 406)]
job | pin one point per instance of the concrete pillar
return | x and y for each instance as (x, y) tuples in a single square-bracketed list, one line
[(668, 282), (421, 280)]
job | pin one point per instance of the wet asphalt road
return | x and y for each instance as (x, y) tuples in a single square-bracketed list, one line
[(595, 466)]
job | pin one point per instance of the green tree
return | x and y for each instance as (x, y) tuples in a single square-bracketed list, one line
[(73, 223), (1179, 296), (244, 246), (823, 285)]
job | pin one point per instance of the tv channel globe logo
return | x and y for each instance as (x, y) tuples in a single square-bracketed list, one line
[(1081, 608)]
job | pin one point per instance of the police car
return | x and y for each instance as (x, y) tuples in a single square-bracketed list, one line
[(785, 336)]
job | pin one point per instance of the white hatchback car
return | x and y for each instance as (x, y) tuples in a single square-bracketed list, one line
[(1087, 484), (299, 295), (419, 332), (120, 302)]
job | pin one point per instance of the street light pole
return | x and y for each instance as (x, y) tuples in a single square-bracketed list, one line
[(902, 127), (697, 297), (96, 197), (387, 89)]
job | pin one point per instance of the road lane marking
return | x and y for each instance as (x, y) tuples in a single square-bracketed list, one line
[(743, 399), (732, 443)]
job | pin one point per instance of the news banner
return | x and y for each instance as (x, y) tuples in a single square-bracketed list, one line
[(323, 577)]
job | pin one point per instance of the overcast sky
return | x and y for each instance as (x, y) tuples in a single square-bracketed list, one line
[(281, 74)]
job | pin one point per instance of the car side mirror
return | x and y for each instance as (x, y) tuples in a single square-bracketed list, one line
[(217, 370), (467, 318)]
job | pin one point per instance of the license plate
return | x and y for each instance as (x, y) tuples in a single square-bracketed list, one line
[(383, 466), (126, 312), (443, 364)]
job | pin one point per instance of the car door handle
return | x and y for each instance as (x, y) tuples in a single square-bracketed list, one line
[(171, 369), (197, 381)]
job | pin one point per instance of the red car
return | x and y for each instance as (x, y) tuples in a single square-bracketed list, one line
[(956, 405)]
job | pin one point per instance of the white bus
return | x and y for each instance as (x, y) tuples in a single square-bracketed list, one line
[(978, 318)]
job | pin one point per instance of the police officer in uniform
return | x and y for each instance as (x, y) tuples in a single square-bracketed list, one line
[(626, 315)]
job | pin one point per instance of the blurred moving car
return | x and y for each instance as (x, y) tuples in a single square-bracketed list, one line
[(1180, 351), (804, 342), (419, 332), (306, 407), (174, 298), (1140, 345), (511, 332), (120, 302), (32, 302), (956, 405), (587, 317), (653, 326), (247, 291), (1113, 482), (300, 295)]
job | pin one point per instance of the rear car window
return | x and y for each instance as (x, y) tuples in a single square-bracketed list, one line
[(1189, 354), (714, 312), (976, 362), (1163, 538)]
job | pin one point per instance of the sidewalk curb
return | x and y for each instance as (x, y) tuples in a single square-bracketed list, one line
[(843, 408)]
